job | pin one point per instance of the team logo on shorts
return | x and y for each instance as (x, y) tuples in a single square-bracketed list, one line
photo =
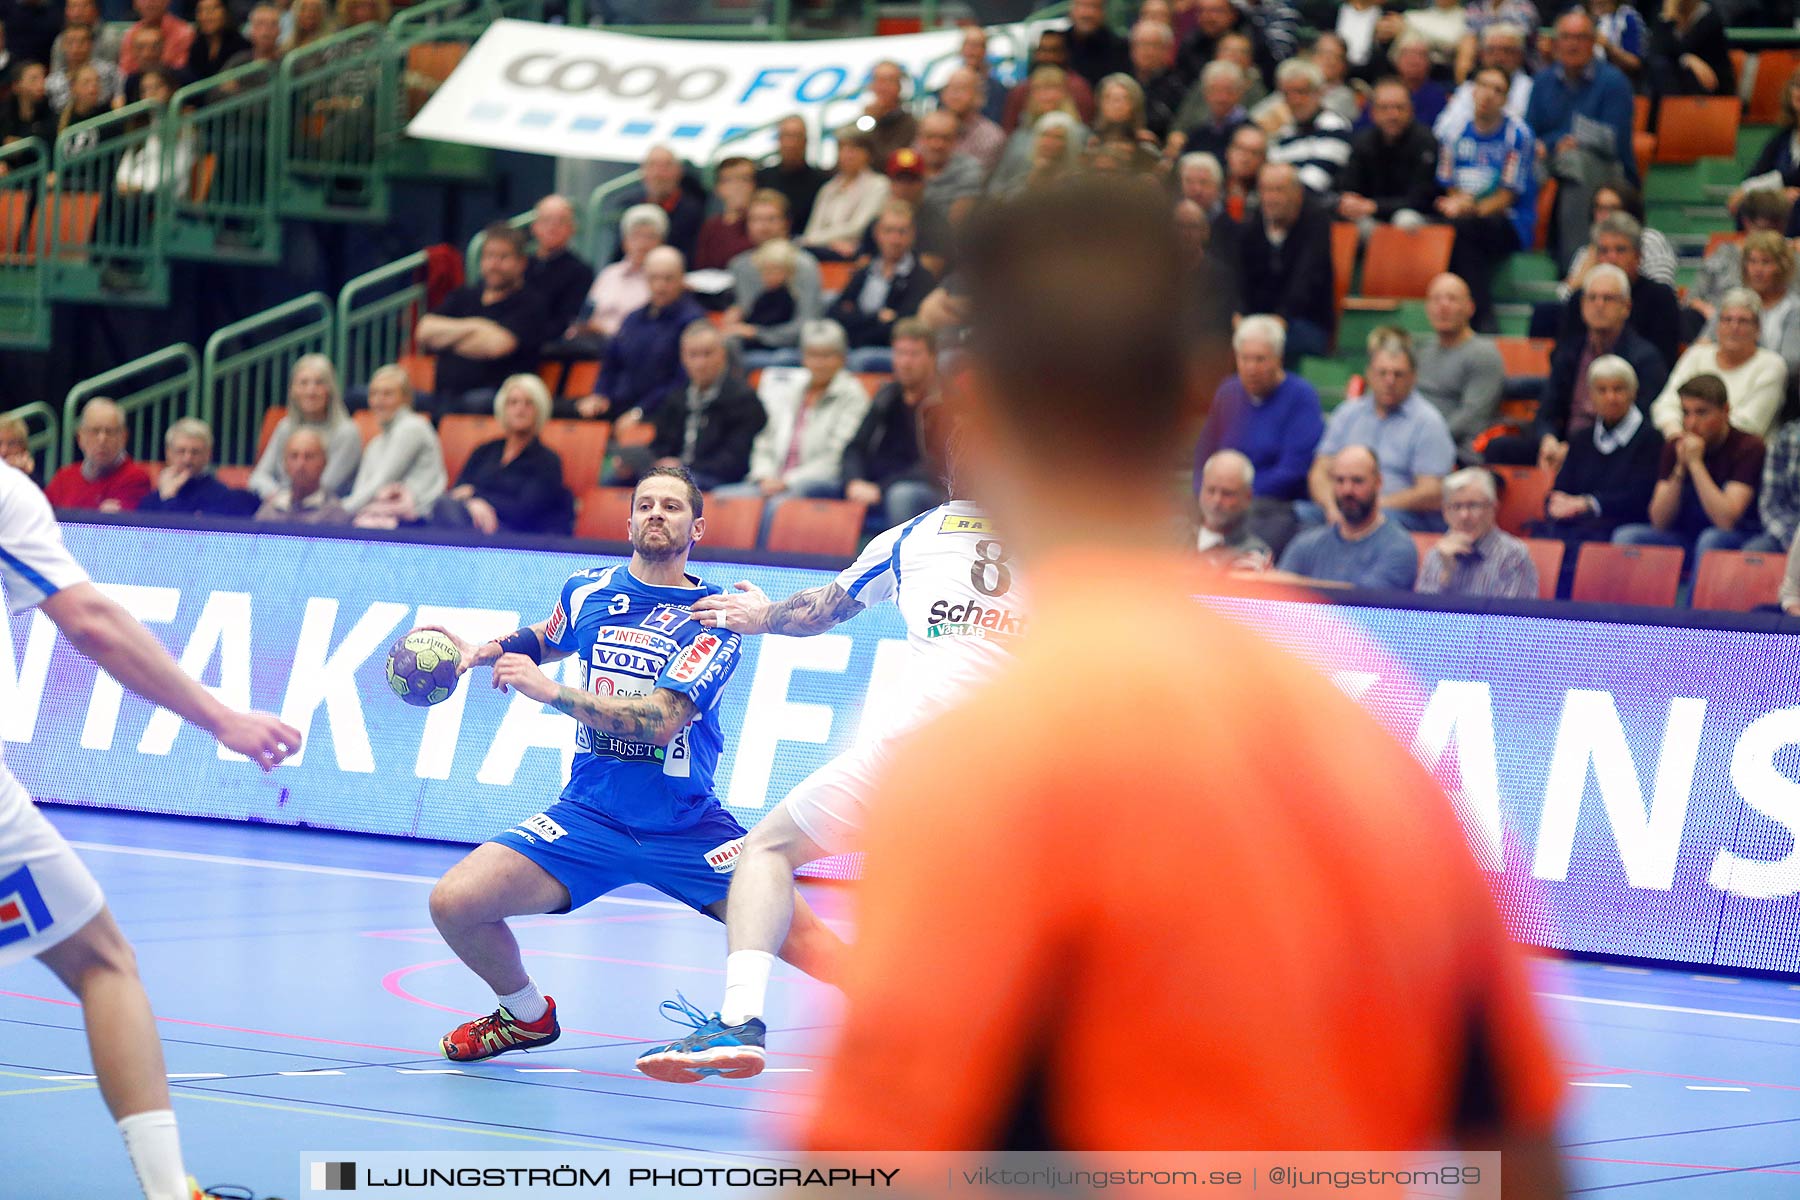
[(723, 859), (693, 661), (23, 912), (544, 827)]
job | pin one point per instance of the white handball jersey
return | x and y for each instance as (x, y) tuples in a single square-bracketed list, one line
[(34, 563), (957, 590)]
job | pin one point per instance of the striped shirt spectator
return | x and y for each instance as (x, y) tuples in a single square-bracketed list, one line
[(1779, 500), (1316, 140), (1475, 558)]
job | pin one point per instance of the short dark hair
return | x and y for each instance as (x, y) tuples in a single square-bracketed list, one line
[(1082, 315), (734, 161), (916, 330), (696, 498), (502, 231), (1708, 389), (1768, 205)]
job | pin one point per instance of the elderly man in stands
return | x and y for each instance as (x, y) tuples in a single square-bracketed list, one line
[(664, 185), (1705, 497), (1407, 434), (488, 330), (643, 361), (108, 39), (768, 219), (401, 474), (1361, 547), (889, 289), (620, 288), (1273, 418), (1392, 172), (1284, 262), (1153, 66), (889, 463), (952, 180), (1608, 474), (1488, 172), (556, 273), (791, 175), (106, 478), (1502, 46), (706, 423), (1227, 491), (177, 36), (263, 32), (78, 44), (884, 119), (1476, 557), (1581, 114), (304, 500), (977, 135), (1095, 50), (1214, 111), (1618, 239), (187, 483), (1315, 139), (1460, 371)]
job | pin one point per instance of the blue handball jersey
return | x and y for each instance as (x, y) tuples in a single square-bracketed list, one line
[(633, 638)]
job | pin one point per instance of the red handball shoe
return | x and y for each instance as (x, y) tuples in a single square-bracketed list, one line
[(499, 1032)]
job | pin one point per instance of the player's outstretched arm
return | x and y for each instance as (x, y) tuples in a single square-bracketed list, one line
[(99, 628), (802, 614), (471, 655)]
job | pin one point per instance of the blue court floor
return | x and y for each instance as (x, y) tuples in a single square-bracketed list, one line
[(302, 990)]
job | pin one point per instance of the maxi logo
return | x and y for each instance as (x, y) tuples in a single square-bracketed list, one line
[(635, 81), (689, 666)]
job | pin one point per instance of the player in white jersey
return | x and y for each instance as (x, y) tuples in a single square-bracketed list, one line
[(949, 574), (50, 906)]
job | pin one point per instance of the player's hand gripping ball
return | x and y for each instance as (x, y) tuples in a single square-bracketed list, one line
[(421, 668)]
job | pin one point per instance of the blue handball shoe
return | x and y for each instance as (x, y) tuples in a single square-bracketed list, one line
[(714, 1048)]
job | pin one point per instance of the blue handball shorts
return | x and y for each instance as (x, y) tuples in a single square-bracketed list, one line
[(592, 856)]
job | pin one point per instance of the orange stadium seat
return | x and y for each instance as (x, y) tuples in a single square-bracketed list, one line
[(1695, 127), (230, 476), (1640, 114), (1400, 264), (1423, 542), (1522, 498), (605, 512), (834, 275), (1525, 356), (1609, 574), (1643, 148), (74, 223), (1344, 237), (1547, 557), (873, 382), (732, 522), (582, 447), (459, 434), (1738, 580), (200, 178), (1773, 70), (1721, 236), (270, 420), (817, 527), (1546, 203), (367, 425), (12, 222)]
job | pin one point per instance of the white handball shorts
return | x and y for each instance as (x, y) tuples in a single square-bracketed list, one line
[(46, 892), (831, 804)]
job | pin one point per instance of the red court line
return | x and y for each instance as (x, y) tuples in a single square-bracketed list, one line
[(409, 1051), (1643, 1162)]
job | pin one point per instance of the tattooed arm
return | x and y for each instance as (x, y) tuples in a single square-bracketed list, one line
[(657, 717), (802, 614)]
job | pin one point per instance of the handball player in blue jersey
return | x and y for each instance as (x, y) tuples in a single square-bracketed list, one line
[(639, 806)]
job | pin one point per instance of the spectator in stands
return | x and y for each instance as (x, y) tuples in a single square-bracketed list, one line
[(304, 500), (1284, 262), (554, 271), (887, 465), (1483, 15), (149, 44), (708, 422), (1214, 20), (1723, 269), (1439, 29), (177, 36), (1048, 149), (1488, 172), (1689, 54), (1095, 50), (723, 236), (351, 13), (933, 239), (216, 41), (106, 478), (15, 446), (885, 121), (666, 186), (1052, 51), (1778, 501), (1406, 432), (263, 33), (1275, 25), (1413, 66), (107, 39), (85, 103), (952, 180), (513, 484), (889, 289), (774, 304), (620, 288), (974, 55), (1502, 46), (1270, 416), (1208, 126), (643, 360), (1777, 168), (1047, 92), (1119, 130), (1316, 141), (1620, 35), (1617, 239), (486, 331), (314, 402), (1361, 547), (1656, 258), (1476, 557), (1356, 21), (791, 174), (1329, 56), (307, 21), (78, 47), (1607, 475), (187, 483), (1226, 484), (768, 220), (1582, 154), (848, 201), (1153, 67), (1244, 160), (402, 470), (813, 414), (1460, 371), (28, 112), (977, 135), (1768, 271), (1705, 497), (1200, 178), (1755, 379), (1392, 172)]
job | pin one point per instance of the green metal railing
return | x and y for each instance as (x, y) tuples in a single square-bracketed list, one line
[(154, 391), (226, 213), (246, 365), (447, 21), (339, 97), (600, 222), (24, 311), (41, 435), (376, 313), (105, 235), (686, 19)]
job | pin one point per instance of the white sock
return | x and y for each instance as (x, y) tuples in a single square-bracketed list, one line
[(155, 1149), (525, 1003), (746, 985)]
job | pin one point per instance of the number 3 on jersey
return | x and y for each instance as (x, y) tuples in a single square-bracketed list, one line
[(989, 574)]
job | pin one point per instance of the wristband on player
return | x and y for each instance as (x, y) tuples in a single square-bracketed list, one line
[(522, 641)]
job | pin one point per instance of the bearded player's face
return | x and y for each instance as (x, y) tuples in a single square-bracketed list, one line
[(662, 519)]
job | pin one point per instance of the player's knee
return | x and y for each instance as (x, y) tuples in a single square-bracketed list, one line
[(452, 905), (98, 950), (773, 839)]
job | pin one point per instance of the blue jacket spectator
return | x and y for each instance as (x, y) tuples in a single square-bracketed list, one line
[(1271, 417), (187, 484), (643, 361), (1405, 431), (1596, 90)]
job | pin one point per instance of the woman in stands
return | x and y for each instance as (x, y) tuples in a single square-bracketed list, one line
[(311, 23), (315, 402), (27, 113), (401, 474), (1755, 378), (216, 40), (1119, 113), (621, 288), (849, 201), (1689, 55), (87, 98), (1778, 166), (1769, 272), (1048, 93), (515, 482)]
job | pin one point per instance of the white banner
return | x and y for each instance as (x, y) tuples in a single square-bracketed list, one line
[(586, 93)]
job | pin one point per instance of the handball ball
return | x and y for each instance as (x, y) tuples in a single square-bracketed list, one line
[(421, 668)]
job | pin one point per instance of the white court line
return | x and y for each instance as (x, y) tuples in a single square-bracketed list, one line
[(1711, 979), (1694, 1087), (1627, 970), (301, 1074), (196, 1075), (1669, 1008), (432, 1071), (787, 1070), (67, 1078), (1578, 1083)]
